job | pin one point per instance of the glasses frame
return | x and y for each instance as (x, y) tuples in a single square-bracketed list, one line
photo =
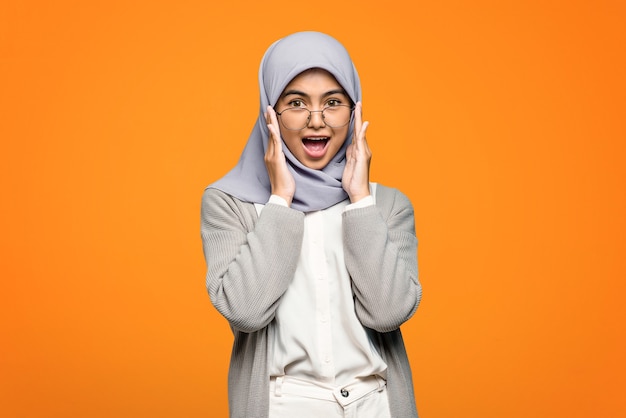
[(308, 119)]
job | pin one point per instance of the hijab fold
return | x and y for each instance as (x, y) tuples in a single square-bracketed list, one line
[(282, 62)]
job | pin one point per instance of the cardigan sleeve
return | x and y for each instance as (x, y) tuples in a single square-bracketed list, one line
[(380, 249), (250, 262)]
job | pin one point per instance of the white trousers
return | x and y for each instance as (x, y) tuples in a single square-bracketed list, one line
[(364, 398)]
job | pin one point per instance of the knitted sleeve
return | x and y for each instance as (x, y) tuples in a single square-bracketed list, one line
[(250, 262), (380, 249)]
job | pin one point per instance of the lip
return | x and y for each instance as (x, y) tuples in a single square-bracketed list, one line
[(315, 146)]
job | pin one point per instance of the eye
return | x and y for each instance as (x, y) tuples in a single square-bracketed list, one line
[(333, 102), (296, 103)]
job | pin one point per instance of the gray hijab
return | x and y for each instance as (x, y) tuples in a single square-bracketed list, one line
[(284, 60)]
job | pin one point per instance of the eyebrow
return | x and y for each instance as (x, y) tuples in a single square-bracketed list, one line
[(303, 94)]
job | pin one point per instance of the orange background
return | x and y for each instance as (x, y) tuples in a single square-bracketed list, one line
[(504, 124)]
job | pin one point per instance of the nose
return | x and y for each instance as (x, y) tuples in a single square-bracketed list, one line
[(316, 120)]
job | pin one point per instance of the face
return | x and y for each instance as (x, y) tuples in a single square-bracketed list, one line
[(317, 143)]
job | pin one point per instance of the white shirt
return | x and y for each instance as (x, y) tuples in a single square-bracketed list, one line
[(316, 333)]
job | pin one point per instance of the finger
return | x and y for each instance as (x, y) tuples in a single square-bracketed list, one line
[(357, 126), (268, 123), (363, 130), (268, 112), (348, 170), (272, 118), (349, 152), (358, 118), (274, 143), (273, 128)]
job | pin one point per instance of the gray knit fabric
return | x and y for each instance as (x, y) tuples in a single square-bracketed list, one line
[(251, 261)]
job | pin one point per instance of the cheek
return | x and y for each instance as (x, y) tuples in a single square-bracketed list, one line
[(342, 133), (290, 138)]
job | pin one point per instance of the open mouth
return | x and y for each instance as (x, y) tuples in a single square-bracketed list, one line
[(315, 145)]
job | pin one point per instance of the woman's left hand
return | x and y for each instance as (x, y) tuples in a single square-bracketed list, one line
[(356, 174)]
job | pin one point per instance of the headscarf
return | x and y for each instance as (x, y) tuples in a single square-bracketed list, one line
[(282, 62)]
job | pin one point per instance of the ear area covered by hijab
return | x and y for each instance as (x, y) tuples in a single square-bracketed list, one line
[(284, 60)]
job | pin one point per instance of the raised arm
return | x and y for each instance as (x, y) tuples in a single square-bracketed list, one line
[(250, 262), (380, 250)]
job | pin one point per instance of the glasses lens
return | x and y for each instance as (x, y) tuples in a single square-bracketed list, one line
[(294, 119), (337, 116)]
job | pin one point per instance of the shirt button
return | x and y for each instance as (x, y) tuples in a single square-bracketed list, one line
[(345, 393)]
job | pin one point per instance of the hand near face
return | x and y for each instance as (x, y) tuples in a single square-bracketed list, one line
[(355, 179), (281, 179)]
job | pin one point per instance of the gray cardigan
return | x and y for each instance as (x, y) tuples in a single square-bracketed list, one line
[(251, 261)]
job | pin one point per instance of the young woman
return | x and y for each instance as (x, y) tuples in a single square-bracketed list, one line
[(313, 266)]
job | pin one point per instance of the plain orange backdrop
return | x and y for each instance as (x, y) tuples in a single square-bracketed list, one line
[(504, 122)]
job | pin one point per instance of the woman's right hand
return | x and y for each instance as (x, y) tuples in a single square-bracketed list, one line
[(281, 179)]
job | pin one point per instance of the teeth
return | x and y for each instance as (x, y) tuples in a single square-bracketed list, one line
[(316, 139)]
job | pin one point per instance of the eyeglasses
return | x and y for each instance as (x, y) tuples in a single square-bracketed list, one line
[(298, 118)]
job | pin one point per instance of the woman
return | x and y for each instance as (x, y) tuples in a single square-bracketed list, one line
[(313, 266)]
